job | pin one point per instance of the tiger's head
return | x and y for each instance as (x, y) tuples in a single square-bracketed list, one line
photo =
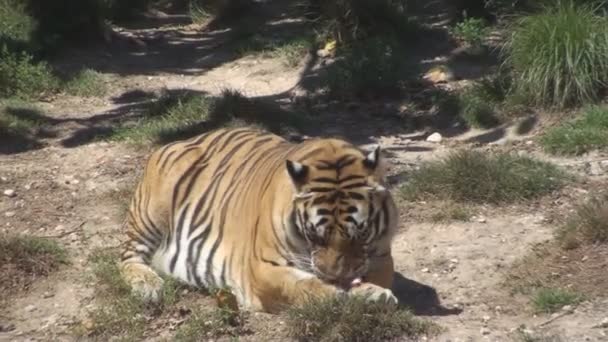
[(340, 208)]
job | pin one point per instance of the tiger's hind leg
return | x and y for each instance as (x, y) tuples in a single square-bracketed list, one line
[(135, 264)]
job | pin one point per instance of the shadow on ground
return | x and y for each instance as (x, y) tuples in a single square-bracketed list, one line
[(421, 299)]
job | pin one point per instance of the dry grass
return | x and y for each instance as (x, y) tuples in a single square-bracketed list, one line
[(353, 319), (25, 258)]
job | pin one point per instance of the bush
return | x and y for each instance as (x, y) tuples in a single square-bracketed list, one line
[(558, 57), (349, 20), (588, 225), (15, 24), (552, 300), (471, 30), (373, 67), (86, 83), (479, 177), (583, 135), (22, 77), (353, 319), (479, 104)]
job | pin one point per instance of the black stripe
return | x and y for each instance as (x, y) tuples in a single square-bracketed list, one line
[(353, 185), (310, 154), (324, 180), (351, 177), (356, 196), (180, 227), (321, 189)]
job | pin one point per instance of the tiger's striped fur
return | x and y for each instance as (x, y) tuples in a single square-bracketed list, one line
[(274, 221)]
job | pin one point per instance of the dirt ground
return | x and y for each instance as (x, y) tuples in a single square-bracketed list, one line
[(72, 189)]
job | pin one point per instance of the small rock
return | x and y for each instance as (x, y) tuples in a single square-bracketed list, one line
[(47, 294), (439, 74), (30, 308), (3, 179), (484, 331), (486, 318), (567, 308), (482, 219), (435, 137), (454, 261), (10, 193), (88, 324), (603, 324), (585, 258), (6, 327), (9, 214), (498, 308), (27, 186), (425, 270)]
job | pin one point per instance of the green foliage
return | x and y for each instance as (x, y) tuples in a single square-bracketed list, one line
[(291, 50), (22, 77), (349, 20), (15, 24), (551, 300), (205, 324), (474, 176), (588, 225), (558, 57), (370, 68), (583, 135), (11, 124), (479, 104), (471, 30), (353, 319), (86, 83)]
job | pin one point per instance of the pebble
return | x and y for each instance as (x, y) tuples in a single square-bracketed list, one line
[(425, 270), (484, 331), (10, 193), (585, 258), (47, 294), (435, 137), (3, 179), (30, 308), (486, 318), (567, 308), (482, 220), (9, 214)]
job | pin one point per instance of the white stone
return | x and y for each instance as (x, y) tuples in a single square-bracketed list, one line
[(10, 193), (435, 137), (30, 308)]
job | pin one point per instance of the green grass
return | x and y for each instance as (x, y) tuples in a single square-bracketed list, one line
[(480, 104), (590, 132), (15, 24), (472, 31), (23, 258), (451, 211), (178, 116), (290, 50), (551, 300), (203, 325), (293, 52), (588, 225), (23, 77), (370, 68), (473, 176), (558, 57), (119, 312), (353, 319), (87, 83), (11, 124)]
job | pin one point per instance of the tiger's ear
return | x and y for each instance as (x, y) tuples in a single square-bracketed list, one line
[(298, 173), (372, 159)]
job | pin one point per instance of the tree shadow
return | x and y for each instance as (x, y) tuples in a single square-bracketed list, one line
[(421, 299)]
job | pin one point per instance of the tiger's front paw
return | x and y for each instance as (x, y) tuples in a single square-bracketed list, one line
[(374, 293), (144, 282)]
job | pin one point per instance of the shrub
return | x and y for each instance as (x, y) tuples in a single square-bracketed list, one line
[(22, 77), (86, 83), (558, 57), (353, 319), (551, 300), (15, 24), (583, 135), (479, 105), (373, 67), (480, 177), (471, 30), (588, 225)]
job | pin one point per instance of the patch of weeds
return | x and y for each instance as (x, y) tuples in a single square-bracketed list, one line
[(24, 258), (583, 135), (181, 116), (552, 300), (119, 312), (203, 324), (12, 124), (86, 83), (588, 225), (451, 211), (15, 24), (293, 52), (558, 56), (523, 335), (371, 68), (199, 14), (353, 319), (480, 104), (23, 77), (474, 176), (472, 31)]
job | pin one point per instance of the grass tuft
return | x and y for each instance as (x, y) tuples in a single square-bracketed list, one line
[(23, 77), (588, 225), (23, 258), (587, 133), (451, 211), (549, 300), (479, 177), (480, 104), (558, 57), (353, 319), (86, 83), (202, 325)]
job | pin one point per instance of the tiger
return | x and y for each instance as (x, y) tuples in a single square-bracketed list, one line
[(276, 222)]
